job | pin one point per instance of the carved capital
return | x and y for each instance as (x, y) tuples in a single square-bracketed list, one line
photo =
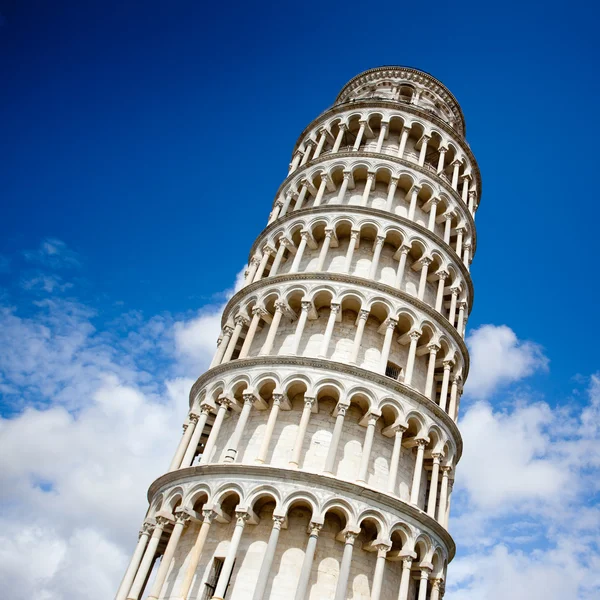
[(249, 398), (314, 529), (277, 399), (241, 517), (241, 320), (206, 409), (350, 537), (414, 336), (306, 305), (391, 324), (443, 275), (278, 522), (363, 314), (208, 515), (193, 418), (335, 307), (309, 401)]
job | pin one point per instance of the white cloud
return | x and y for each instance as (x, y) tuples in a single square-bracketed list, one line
[(525, 516), (97, 416), (53, 253), (45, 283), (499, 358)]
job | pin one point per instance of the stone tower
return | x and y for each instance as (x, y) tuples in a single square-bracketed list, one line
[(319, 451)]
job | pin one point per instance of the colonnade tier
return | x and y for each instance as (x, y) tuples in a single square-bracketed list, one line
[(390, 130), (406, 85), (382, 182), (323, 420), (325, 534), (380, 391), (349, 325), (390, 251)]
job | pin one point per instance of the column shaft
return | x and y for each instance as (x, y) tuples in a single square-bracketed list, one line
[(147, 561), (234, 544), (134, 563), (188, 457), (367, 447), (265, 568), (416, 483), (165, 562), (396, 451), (335, 439), (268, 345), (342, 585), (195, 554), (214, 432), (266, 440), (362, 319), (297, 451), (309, 556)]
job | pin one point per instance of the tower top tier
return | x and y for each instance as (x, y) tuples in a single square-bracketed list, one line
[(408, 86)]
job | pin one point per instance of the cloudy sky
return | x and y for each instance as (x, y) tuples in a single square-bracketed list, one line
[(142, 150)]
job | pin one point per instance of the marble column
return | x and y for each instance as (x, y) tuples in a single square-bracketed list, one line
[(413, 336), (395, 461), (367, 191), (138, 553), (354, 235), (240, 322), (257, 314), (439, 299), (387, 344), (266, 440), (190, 452), (391, 194), (306, 306), (147, 560), (359, 135), (238, 432), (366, 450), (301, 434), (405, 579), (423, 584), (379, 240), (363, 315), (224, 405), (433, 350), (195, 553), (273, 327), (342, 584), (382, 134), (324, 249), (403, 140), (433, 488), (181, 519), (339, 137), (424, 141), (304, 235), (335, 439), (185, 441), (425, 262), (382, 550), (416, 482), (267, 562), (334, 310), (222, 347), (225, 575), (309, 556), (441, 516), (404, 250)]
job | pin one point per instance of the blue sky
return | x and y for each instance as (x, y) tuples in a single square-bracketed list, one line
[(142, 147)]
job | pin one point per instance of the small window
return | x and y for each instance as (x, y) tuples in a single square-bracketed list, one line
[(213, 578), (393, 371)]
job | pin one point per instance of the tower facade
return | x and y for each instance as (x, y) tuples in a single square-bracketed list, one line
[(319, 452)]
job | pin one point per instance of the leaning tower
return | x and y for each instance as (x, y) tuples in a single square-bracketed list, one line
[(319, 452)]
